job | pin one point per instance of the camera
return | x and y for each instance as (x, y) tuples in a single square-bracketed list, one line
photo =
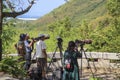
[(82, 42), (59, 39), (35, 39), (46, 36)]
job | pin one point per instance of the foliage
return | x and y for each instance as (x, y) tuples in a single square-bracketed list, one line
[(103, 29), (76, 10), (104, 33), (95, 78), (61, 28), (7, 36), (114, 11), (11, 66), (104, 36), (114, 7)]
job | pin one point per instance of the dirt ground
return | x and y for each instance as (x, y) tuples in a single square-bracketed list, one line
[(85, 74)]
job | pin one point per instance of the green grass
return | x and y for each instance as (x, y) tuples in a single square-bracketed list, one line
[(76, 10)]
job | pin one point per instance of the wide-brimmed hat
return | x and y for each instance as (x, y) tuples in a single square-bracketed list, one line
[(41, 35)]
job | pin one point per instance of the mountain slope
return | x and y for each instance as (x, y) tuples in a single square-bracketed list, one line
[(76, 10)]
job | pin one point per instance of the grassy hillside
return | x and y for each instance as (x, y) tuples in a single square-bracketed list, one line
[(86, 19), (76, 10)]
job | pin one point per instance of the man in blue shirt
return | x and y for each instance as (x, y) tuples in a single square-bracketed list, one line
[(29, 48)]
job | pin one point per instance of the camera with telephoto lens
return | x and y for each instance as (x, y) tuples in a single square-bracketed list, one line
[(82, 42), (46, 36), (59, 39), (35, 39)]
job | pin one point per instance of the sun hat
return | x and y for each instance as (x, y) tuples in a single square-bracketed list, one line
[(41, 35)]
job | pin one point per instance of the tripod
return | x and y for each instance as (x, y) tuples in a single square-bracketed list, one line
[(54, 76), (82, 51)]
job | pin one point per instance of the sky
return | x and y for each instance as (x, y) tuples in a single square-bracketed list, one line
[(42, 7)]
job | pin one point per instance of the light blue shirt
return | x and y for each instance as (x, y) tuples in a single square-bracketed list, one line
[(28, 49)]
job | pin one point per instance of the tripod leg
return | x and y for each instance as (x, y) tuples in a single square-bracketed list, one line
[(60, 50), (52, 59), (81, 65), (88, 67)]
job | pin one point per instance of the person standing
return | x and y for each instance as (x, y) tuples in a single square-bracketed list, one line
[(71, 69), (41, 55), (20, 47), (29, 48)]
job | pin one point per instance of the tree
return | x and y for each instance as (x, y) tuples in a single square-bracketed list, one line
[(114, 11), (14, 11), (114, 7)]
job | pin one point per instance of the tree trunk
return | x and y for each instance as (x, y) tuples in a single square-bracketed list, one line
[(0, 30)]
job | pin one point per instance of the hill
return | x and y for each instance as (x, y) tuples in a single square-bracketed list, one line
[(86, 19), (76, 10)]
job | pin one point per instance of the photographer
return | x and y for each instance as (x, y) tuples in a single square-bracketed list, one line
[(41, 56), (71, 69), (20, 47), (29, 48)]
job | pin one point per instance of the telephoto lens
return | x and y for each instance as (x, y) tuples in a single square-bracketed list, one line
[(47, 36), (59, 39)]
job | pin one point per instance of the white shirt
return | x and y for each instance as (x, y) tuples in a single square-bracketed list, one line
[(40, 45)]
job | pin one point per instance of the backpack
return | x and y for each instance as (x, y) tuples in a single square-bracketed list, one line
[(21, 48), (68, 62)]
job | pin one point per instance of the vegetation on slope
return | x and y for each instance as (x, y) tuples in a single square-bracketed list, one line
[(87, 19), (76, 10)]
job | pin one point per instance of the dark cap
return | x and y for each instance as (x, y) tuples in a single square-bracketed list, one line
[(22, 36)]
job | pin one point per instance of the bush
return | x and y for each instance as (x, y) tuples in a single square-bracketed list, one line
[(11, 66), (95, 78)]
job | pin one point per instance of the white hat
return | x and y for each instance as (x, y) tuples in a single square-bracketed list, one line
[(41, 35)]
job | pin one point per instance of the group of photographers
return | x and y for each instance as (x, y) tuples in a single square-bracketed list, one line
[(69, 60), (25, 48)]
